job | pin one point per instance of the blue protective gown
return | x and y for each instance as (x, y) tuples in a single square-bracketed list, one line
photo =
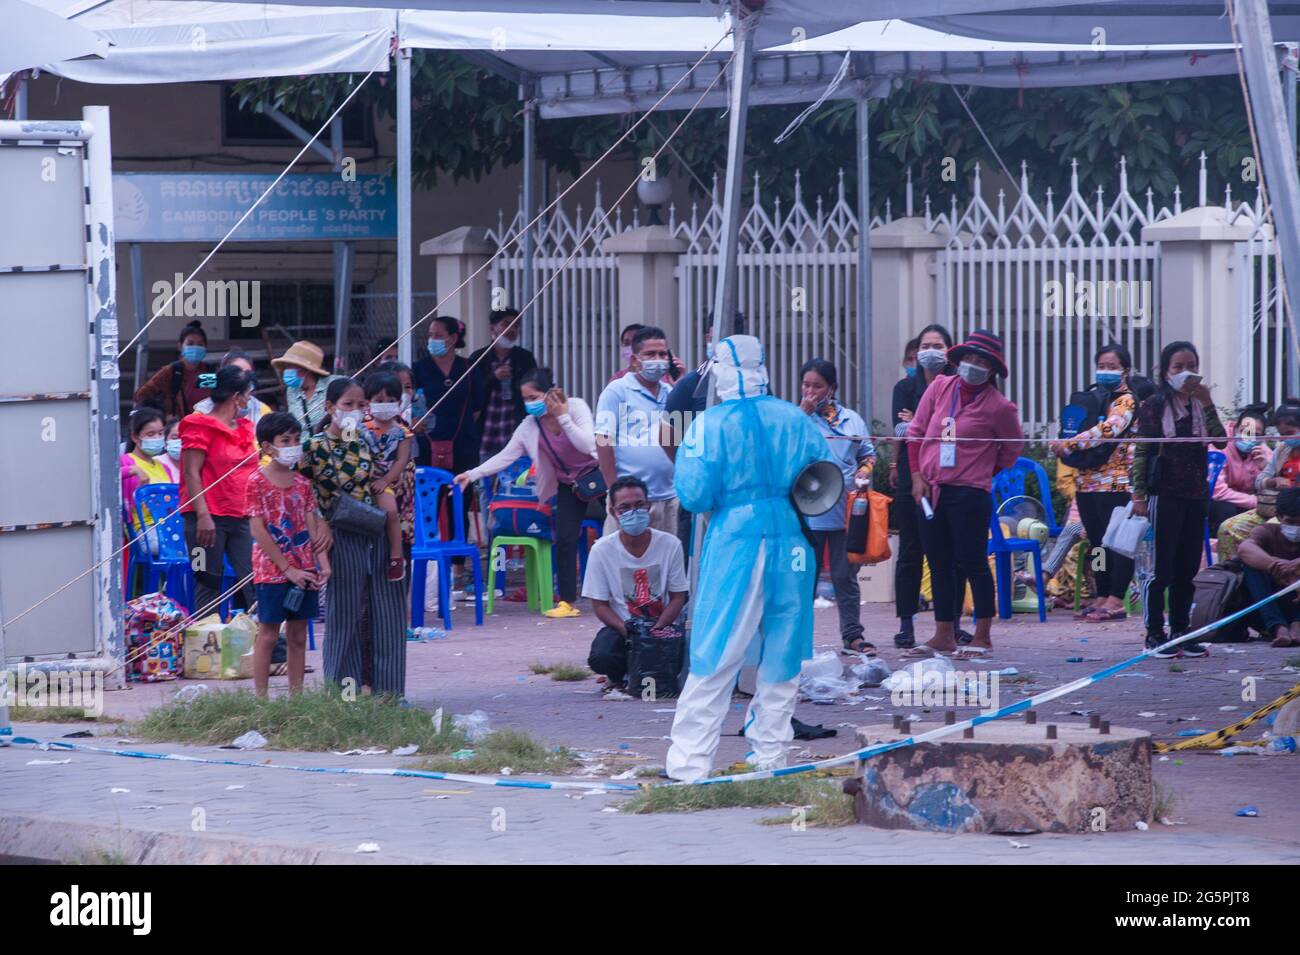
[(739, 460)]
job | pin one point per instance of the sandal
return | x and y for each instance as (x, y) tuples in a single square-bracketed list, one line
[(859, 645), (923, 651), (971, 653), (963, 637), (904, 640), (1102, 616)]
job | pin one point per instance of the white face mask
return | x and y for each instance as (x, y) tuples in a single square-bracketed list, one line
[(507, 342), (972, 373), (385, 410), (1291, 532), (1177, 381), (288, 456), (626, 352), (347, 421), (932, 359)]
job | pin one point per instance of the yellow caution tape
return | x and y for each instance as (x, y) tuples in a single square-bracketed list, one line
[(1219, 738)]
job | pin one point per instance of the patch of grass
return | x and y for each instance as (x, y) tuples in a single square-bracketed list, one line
[(316, 720), (1177, 668), (503, 748), (825, 802), (1163, 801), (564, 672), (1018, 678), (1292, 662), (55, 714), (101, 857)]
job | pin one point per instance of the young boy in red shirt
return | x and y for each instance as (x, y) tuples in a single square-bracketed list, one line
[(282, 515)]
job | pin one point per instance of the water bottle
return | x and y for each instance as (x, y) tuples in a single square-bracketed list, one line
[(1144, 567), (859, 524), (425, 634), (419, 405), (1281, 744)]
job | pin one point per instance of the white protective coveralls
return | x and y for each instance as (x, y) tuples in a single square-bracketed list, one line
[(753, 605)]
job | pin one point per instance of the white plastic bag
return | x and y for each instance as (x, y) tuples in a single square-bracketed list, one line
[(1125, 531), (474, 725), (914, 674)]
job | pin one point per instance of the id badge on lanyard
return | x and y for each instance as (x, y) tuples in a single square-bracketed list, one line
[(948, 448)]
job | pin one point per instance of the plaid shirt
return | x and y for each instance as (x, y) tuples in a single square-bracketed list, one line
[(498, 417), (335, 466)]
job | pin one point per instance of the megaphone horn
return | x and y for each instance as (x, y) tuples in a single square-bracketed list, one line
[(817, 488)]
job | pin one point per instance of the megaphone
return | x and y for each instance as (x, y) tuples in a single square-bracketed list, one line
[(817, 488)]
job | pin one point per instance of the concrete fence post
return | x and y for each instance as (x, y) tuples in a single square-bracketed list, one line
[(647, 289), (459, 254)]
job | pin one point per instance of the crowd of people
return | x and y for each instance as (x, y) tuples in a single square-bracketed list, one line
[(324, 490)]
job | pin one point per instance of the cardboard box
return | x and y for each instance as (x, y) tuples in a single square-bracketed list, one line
[(876, 581)]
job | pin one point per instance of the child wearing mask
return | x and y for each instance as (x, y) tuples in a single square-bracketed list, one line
[(390, 443), (283, 520), (146, 463)]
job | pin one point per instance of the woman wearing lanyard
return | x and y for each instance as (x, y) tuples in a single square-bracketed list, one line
[(557, 437), (931, 362), (846, 436), (963, 432)]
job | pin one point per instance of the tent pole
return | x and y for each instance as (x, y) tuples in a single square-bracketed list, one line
[(404, 205), (527, 92), (138, 312), (726, 294), (342, 264), (1276, 146), (864, 356), (1289, 70), (20, 97)]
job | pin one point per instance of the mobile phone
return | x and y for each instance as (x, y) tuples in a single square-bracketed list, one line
[(1194, 379), (293, 599)]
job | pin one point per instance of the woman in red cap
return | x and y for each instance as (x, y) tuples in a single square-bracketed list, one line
[(959, 438)]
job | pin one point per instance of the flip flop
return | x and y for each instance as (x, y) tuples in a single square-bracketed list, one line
[(971, 653), (1102, 616), (859, 645), (924, 652)]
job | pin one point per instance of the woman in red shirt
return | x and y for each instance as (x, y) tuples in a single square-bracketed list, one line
[(953, 477), (216, 462)]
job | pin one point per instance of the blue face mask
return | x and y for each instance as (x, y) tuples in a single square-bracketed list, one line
[(1245, 447), (911, 371), (174, 448), (535, 408), (634, 523), (437, 347), (193, 354), (1108, 379), (708, 350), (153, 446), (292, 379)]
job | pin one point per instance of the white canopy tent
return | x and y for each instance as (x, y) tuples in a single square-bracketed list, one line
[(587, 57), (34, 34)]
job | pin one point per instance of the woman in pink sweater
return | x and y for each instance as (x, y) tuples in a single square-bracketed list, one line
[(1248, 455), (952, 478), (558, 437)]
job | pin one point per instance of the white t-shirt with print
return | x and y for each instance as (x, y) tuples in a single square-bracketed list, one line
[(642, 583)]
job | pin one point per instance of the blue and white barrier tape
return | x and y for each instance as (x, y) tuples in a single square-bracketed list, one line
[(866, 752)]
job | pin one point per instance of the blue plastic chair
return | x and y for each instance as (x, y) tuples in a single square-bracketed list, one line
[(169, 570), (1217, 460), (429, 484), (1014, 482), (1001, 548)]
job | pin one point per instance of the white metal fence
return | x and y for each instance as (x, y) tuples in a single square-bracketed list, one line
[(1265, 372)]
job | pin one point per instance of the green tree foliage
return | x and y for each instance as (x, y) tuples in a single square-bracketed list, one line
[(466, 122)]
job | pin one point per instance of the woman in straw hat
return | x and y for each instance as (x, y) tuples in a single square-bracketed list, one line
[(302, 368)]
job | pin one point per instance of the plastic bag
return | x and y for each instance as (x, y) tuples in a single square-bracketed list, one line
[(822, 679), (913, 675), (473, 725), (873, 671), (825, 664), (237, 639), (1125, 531)]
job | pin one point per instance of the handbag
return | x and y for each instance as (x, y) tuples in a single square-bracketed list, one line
[(442, 454), (1125, 531), (874, 537), (357, 517), (588, 485)]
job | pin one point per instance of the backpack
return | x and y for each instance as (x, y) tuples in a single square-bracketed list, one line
[(519, 518), (1218, 592), (1084, 410)]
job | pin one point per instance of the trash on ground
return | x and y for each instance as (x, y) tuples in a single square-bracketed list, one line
[(189, 694), (473, 725), (48, 762), (873, 671), (463, 754), (371, 751), (1018, 845), (1248, 811), (119, 789), (915, 674), (1141, 826), (368, 847), (250, 740), (409, 750)]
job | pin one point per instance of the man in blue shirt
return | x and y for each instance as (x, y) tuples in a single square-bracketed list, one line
[(627, 428)]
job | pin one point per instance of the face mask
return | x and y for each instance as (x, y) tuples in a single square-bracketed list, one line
[(193, 354), (288, 456), (1177, 381), (911, 371), (708, 350), (1292, 442), (535, 408), (626, 352), (247, 410), (507, 343), (384, 410), (437, 347), (405, 403), (174, 448), (972, 374), (292, 379), (153, 446), (634, 523), (1108, 379), (932, 359), (1245, 447), (347, 420), (1291, 532), (654, 370)]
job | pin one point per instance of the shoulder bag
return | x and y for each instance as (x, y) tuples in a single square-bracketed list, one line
[(588, 485)]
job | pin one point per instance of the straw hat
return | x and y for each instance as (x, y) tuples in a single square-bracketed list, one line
[(303, 355)]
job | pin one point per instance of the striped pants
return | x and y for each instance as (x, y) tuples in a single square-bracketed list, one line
[(359, 567)]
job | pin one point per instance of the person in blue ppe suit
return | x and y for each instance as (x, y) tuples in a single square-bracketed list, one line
[(738, 462)]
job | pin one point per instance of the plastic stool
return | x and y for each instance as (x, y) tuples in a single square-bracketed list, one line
[(537, 570)]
